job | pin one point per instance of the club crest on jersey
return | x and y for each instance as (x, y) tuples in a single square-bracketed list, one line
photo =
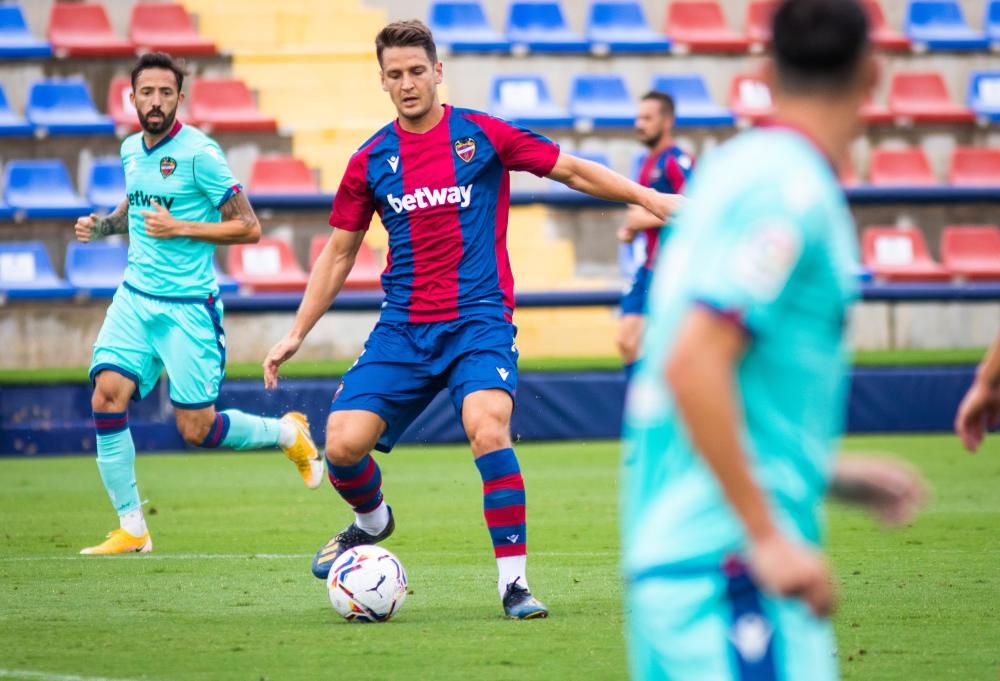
[(167, 166), (465, 148)]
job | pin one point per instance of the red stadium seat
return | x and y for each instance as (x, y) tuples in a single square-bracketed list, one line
[(84, 30), (700, 26), (366, 275), (281, 175), (901, 167), (972, 251), (922, 97), (848, 173), (268, 266), (758, 30), (120, 107), (894, 254), (876, 114), (226, 105), (166, 28), (750, 98), (975, 167), (882, 34)]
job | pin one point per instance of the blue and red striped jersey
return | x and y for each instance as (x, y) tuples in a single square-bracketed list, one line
[(665, 171), (443, 197)]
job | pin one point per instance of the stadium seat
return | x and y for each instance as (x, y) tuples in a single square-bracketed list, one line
[(96, 269), (693, 104), (758, 30), (620, 26), (894, 254), (10, 123), (525, 100), (971, 251), (991, 24), (750, 98), (166, 27), (848, 173), (365, 275), (984, 95), (281, 175), (922, 97), (64, 107), (901, 168), (876, 114), (941, 25), (84, 30), (120, 107), (600, 101), (975, 167), (42, 188), (16, 39), (26, 272), (883, 35), (539, 26), (268, 266), (226, 283), (461, 26), (6, 212), (227, 105), (106, 186), (700, 26)]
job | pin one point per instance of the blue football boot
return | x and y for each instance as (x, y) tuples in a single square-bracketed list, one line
[(351, 536), (519, 604)]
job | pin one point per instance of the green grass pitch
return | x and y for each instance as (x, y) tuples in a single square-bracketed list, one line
[(227, 594)]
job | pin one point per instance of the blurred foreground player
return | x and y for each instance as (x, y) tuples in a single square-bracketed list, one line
[(980, 408), (734, 413), (182, 201), (438, 176)]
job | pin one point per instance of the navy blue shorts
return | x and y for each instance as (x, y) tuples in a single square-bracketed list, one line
[(404, 365), (636, 298)]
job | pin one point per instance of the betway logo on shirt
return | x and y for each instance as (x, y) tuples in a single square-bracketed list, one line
[(427, 198), (142, 199)]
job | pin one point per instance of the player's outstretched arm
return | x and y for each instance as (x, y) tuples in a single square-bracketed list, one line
[(891, 489), (94, 227), (980, 408), (603, 183), (238, 224), (325, 281)]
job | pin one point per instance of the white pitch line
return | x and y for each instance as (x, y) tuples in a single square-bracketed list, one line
[(46, 676), (271, 556)]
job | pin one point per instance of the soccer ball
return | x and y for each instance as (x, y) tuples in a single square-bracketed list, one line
[(367, 584)]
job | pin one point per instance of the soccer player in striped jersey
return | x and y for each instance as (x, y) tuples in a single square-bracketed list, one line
[(438, 176)]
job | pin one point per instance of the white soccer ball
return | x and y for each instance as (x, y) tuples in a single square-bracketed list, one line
[(367, 584)]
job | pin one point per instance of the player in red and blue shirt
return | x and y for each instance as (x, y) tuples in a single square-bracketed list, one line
[(438, 176), (665, 168)]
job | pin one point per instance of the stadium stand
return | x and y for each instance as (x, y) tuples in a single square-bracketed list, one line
[(693, 104), (540, 26), (42, 189), (366, 274), (907, 167), (11, 124), (96, 269), (65, 107), (26, 272), (616, 26), (984, 96), (166, 27), (972, 251), (106, 183), (941, 25), (281, 175), (525, 100), (922, 97), (461, 26), (84, 30), (268, 266), (975, 167), (899, 255), (226, 105), (120, 107), (758, 26), (16, 39), (883, 35), (600, 101), (700, 26), (991, 24), (877, 114), (227, 285), (750, 99)]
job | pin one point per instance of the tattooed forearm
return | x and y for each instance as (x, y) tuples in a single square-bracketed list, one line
[(238, 208), (116, 223)]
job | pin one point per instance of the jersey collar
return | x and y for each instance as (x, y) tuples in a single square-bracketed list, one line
[(166, 138)]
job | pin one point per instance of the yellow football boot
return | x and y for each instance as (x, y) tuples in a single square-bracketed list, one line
[(303, 452), (120, 541)]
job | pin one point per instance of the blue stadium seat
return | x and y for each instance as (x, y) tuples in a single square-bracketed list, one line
[(525, 100), (539, 26), (941, 25), (10, 123), (6, 212), (621, 26), (42, 189), (226, 283), (16, 39), (984, 95), (64, 107), (991, 24), (98, 268), (600, 101), (106, 185), (694, 106), (26, 272), (461, 25)]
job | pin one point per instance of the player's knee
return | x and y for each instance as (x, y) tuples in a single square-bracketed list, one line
[(107, 399), (342, 447), (193, 430), (489, 435)]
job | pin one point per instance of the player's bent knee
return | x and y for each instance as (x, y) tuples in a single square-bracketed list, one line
[(194, 430), (489, 436)]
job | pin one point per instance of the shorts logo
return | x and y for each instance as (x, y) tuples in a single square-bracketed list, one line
[(503, 373), (465, 148), (751, 636), (167, 166)]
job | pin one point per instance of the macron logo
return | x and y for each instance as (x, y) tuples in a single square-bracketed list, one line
[(393, 162), (503, 373), (427, 198)]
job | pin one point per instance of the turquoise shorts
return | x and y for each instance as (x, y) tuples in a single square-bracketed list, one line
[(716, 626), (144, 334)]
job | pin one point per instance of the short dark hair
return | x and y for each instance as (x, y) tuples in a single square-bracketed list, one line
[(159, 60), (818, 44), (412, 33), (665, 100)]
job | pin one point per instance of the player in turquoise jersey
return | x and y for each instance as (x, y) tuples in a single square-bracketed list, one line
[(181, 202), (734, 414)]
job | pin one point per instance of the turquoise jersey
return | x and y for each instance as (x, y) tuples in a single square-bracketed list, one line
[(186, 173), (766, 239)]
